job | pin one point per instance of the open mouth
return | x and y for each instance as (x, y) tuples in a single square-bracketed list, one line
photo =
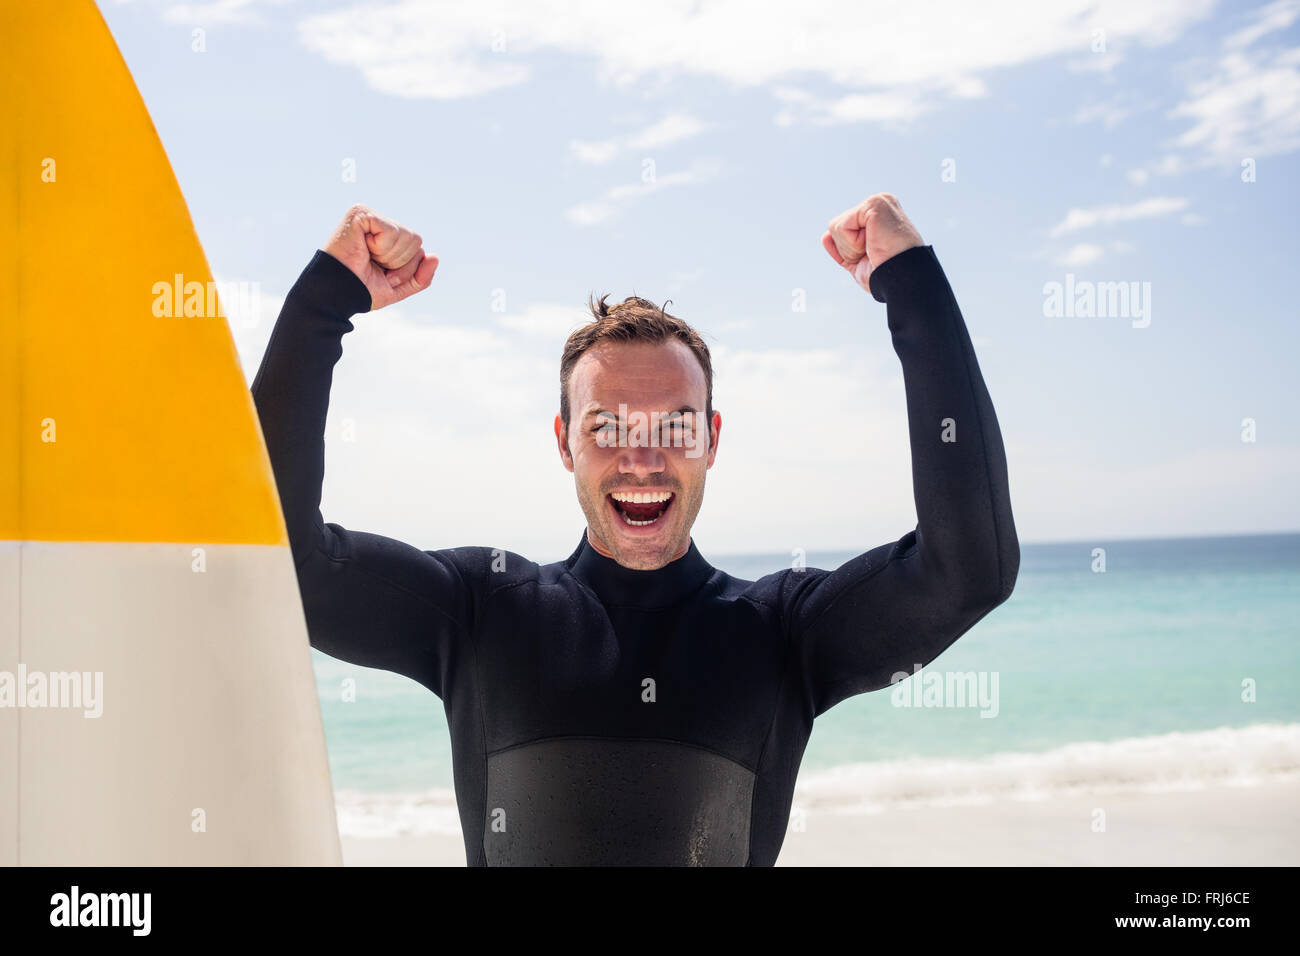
[(641, 509)]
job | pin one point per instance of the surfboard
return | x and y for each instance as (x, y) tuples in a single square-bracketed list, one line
[(157, 700)]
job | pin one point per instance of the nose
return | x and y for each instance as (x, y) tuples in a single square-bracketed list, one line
[(641, 462)]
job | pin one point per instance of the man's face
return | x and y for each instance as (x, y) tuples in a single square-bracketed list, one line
[(637, 429)]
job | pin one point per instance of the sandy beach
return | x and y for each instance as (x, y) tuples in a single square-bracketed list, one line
[(1218, 825)]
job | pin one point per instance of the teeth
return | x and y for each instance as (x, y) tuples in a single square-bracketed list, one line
[(642, 497)]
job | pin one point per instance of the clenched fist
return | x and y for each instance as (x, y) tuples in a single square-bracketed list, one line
[(863, 237), (387, 257)]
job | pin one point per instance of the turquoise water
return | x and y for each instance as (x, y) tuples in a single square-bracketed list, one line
[(1160, 642)]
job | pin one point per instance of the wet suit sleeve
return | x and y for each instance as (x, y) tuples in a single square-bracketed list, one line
[(368, 599), (901, 604)]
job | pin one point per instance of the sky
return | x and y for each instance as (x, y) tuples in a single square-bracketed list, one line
[(695, 152)]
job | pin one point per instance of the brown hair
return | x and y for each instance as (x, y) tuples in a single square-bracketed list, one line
[(632, 320)]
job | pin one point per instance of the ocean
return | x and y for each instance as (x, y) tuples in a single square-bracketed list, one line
[(1176, 666)]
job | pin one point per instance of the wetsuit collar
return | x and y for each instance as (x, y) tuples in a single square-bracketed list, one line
[(617, 585)]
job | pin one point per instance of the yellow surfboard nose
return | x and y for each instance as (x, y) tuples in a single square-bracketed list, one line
[(124, 415)]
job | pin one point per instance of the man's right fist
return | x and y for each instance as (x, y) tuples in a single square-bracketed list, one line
[(873, 231), (387, 257)]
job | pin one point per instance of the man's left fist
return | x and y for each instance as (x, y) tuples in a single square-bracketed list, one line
[(863, 237)]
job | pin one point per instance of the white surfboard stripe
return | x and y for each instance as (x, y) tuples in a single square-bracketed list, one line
[(201, 656)]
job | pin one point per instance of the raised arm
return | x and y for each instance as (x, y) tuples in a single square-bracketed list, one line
[(368, 599), (901, 604)]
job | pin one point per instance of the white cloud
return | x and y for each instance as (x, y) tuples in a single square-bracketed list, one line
[(215, 11), (1077, 219), (1268, 19), (1114, 111), (1086, 253), (1110, 114), (881, 107), (597, 153), (1250, 107), (1168, 165), (1095, 63), (1250, 104), (554, 322), (931, 50), (1081, 255), (590, 213), (673, 128), (617, 198)]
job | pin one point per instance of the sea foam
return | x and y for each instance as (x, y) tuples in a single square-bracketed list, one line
[(1232, 756)]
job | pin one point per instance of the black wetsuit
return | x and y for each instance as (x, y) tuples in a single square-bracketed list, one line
[(601, 715)]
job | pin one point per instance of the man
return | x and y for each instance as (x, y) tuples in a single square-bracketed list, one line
[(631, 704)]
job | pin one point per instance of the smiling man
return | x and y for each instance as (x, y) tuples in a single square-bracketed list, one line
[(642, 383), (632, 704)]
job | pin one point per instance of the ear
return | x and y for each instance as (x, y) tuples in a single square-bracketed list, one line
[(715, 429), (562, 441)]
